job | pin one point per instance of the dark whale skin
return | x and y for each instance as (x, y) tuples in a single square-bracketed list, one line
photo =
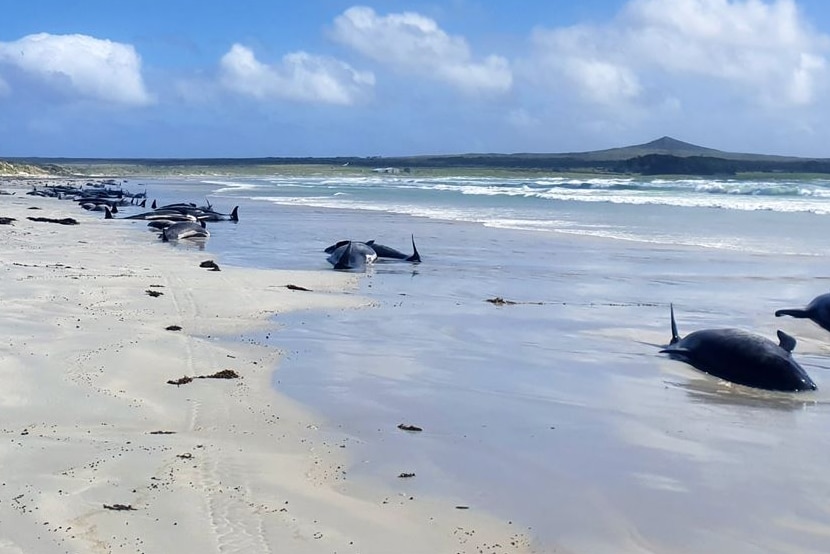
[(741, 357)]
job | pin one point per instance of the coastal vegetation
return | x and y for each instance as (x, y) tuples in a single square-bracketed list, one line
[(664, 156)]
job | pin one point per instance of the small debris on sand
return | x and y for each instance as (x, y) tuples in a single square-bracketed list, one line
[(119, 507), (297, 287), (413, 428), (499, 301), (62, 221), (6, 220), (153, 293), (462, 507), (210, 264), (162, 432), (185, 456), (223, 374), (406, 475), (173, 328)]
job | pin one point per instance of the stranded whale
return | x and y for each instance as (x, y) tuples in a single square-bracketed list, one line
[(741, 357), (382, 251), (184, 230), (818, 310)]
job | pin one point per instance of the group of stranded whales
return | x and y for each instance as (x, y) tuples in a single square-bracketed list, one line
[(354, 255), (182, 220), (733, 355)]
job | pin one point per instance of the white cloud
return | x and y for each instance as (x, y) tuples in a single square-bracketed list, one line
[(90, 67), (300, 76), (5, 89), (761, 50), (413, 43)]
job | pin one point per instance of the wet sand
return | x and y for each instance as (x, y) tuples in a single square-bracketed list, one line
[(102, 454)]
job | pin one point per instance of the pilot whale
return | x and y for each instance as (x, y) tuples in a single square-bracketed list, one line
[(184, 230), (818, 310), (741, 357), (382, 250)]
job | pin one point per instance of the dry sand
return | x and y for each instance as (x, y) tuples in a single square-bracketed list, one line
[(100, 454)]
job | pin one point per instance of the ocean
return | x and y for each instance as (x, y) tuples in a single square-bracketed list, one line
[(555, 410)]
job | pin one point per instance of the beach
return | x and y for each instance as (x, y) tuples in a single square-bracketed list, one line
[(550, 421), (103, 454)]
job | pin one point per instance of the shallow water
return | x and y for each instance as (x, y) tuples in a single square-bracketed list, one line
[(557, 413)]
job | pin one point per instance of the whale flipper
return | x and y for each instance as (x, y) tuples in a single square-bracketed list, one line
[(794, 312)]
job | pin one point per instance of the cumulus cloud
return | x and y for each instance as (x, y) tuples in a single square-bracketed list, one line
[(90, 67), (410, 42), (299, 76), (763, 50)]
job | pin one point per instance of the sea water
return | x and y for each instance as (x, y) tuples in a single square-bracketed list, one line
[(556, 411)]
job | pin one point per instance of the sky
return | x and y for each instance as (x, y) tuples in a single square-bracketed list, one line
[(256, 78)]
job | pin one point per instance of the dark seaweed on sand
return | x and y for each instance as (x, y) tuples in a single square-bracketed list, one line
[(223, 374), (62, 221), (119, 507), (406, 427), (296, 287)]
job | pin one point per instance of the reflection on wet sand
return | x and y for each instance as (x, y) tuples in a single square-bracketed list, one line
[(712, 391)]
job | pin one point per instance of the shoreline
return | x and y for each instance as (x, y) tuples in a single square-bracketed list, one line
[(102, 454)]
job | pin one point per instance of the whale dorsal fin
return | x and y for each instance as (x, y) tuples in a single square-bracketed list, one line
[(785, 341)]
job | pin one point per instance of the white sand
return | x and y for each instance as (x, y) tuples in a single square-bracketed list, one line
[(84, 364)]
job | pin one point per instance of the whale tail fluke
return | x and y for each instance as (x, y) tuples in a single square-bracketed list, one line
[(674, 336), (335, 246), (415, 257), (795, 312), (235, 214), (343, 262)]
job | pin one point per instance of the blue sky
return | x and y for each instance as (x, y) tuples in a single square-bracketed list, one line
[(186, 78)]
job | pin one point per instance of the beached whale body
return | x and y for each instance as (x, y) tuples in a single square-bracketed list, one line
[(741, 357), (352, 255), (184, 230), (818, 310), (382, 250)]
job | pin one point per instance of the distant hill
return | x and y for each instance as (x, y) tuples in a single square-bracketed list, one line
[(670, 147), (665, 155)]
